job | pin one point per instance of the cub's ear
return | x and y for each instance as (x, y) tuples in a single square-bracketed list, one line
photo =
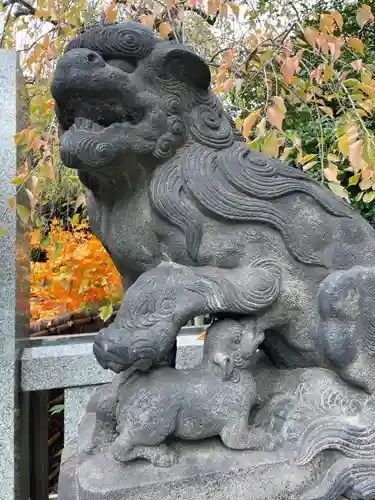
[(226, 364), (187, 67)]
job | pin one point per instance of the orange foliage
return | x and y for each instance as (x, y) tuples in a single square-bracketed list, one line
[(78, 274)]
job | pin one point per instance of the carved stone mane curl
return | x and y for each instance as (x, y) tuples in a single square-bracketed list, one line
[(235, 184)]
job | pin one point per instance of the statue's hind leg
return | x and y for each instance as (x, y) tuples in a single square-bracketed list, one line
[(162, 300), (346, 302)]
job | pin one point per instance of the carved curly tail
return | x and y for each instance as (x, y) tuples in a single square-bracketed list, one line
[(354, 478)]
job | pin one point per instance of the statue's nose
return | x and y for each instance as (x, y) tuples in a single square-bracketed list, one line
[(76, 70), (81, 57), (111, 355)]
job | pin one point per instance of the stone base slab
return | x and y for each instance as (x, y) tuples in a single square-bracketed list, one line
[(206, 470)]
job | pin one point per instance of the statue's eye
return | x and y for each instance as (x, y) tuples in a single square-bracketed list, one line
[(127, 65)]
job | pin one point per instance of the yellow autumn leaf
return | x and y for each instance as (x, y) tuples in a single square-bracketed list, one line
[(332, 158), (311, 36), (357, 45), (111, 12), (330, 173), (164, 29), (271, 145), (106, 312), (23, 213), (227, 85), (249, 122), (370, 91), (355, 155), (286, 153), (327, 110), (234, 8), (338, 19), (343, 144), (328, 72), (288, 70), (364, 15), (338, 190), (309, 165), (356, 65), (353, 180), (40, 14), (326, 22), (17, 180), (261, 128), (369, 197), (147, 20), (276, 114), (306, 159)]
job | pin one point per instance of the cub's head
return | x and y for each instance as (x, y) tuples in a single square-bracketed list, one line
[(124, 98)]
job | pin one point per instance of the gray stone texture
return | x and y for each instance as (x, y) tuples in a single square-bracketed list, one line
[(202, 225), (207, 470), (14, 274), (52, 363), (75, 402)]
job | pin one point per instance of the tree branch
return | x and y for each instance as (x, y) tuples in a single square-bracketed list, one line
[(6, 21)]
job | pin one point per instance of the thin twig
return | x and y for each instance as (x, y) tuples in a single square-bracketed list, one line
[(6, 21)]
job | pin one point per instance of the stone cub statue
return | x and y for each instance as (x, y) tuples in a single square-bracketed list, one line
[(213, 400)]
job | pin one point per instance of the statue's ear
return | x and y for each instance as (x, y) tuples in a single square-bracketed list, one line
[(225, 362), (187, 67)]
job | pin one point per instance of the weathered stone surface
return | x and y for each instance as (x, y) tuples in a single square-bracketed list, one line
[(203, 225), (14, 275), (207, 470)]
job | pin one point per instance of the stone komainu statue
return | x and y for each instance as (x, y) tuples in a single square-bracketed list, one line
[(199, 224), (170, 178)]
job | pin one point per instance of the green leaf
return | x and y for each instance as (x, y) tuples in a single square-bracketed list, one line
[(45, 242), (338, 190), (234, 8), (81, 201), (351, 82), (23, 213), (106, 312), (333, 158), (369, 197), (17, 180), (255, 145), (354, 179), (56, 251), (328, 111), (75, 220), (56, 409)]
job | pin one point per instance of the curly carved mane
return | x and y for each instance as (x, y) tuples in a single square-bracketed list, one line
[(207, 170), (235, 184)]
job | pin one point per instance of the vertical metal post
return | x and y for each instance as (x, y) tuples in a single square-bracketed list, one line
[(39, 445)]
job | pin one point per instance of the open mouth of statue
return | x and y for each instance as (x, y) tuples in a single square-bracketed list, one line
[(77, 115)]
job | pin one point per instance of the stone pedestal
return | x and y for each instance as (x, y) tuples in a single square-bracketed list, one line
[(206, 470)]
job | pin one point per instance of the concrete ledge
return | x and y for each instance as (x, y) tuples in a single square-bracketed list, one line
[(68, 362), (54, 363)]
